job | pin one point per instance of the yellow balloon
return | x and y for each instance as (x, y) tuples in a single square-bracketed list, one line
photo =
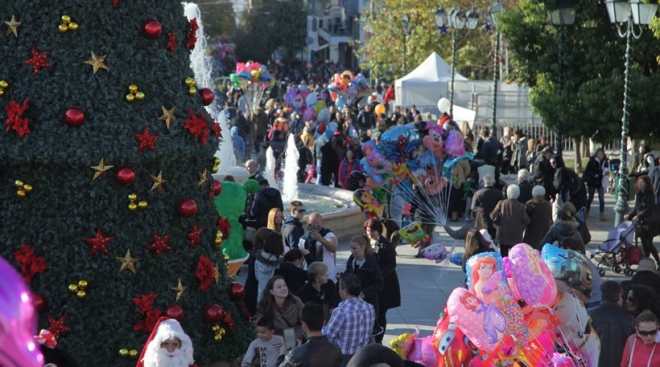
[(318, 107), (255, 74), (380, 109)]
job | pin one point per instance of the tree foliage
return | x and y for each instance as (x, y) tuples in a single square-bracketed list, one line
[(219, 19), (277, 25), (592, 70), (383, 51)]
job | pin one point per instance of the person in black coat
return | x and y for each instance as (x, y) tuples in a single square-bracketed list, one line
[(291, 270), (545, 173), (646, 274), (593, 177), (612, 324), (567, 185), (390, 296), (266, 199), (644, 215), (364, 264), (319, 289), (485, 200), (525, 186)]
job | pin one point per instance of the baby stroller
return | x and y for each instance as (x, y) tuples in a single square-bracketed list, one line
[(619, 250)]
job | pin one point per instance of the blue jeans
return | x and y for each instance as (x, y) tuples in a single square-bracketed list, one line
[(601, 198)]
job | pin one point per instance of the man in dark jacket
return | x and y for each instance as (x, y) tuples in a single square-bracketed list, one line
[(612, 324), (317, 351), (545, 173), (266, 199), (292, 228), (366, 119), (646, 274), (525, 186), (485, 200)]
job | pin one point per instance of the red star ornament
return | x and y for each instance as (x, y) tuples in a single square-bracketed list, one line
[(14, 120), (194, 235), (57, 326), (171, 41), (146, 140), (99, 243), (160, 244), (38, 60)]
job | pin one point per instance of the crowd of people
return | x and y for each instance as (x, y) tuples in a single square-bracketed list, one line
[(292, 278)]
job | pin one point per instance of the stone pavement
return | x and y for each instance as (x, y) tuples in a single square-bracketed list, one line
[(425, 285)]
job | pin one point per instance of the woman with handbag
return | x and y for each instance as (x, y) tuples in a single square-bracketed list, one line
[(645, 215), (510, 219)]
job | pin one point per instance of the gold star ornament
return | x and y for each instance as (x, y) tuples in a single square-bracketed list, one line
[(158, 181), (127, 262), (100, 169), (97, 62), (203, 179), (168, 116), (179, 289), (12, 26)]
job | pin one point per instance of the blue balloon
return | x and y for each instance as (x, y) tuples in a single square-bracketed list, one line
[(456, 259)]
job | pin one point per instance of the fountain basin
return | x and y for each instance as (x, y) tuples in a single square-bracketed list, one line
[(344, 222)]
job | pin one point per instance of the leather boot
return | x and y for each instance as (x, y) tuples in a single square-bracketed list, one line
[(602, 217)]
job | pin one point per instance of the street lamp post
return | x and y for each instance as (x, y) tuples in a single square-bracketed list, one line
[(496, 9), (456, 19), (631, 13), (560, 17), (406, 27)]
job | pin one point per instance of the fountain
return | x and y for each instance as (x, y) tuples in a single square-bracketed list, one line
[(290, 182), (269, 171)]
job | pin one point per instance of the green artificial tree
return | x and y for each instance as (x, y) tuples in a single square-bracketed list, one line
[(106, 194)]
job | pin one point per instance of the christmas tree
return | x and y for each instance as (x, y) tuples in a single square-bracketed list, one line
[(106, 193)]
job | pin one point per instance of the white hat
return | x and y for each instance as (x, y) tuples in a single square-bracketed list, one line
[(166, 329)]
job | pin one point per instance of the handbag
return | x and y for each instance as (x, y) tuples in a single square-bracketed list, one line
[(498, 216)]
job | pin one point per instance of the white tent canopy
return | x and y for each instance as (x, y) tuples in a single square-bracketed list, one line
[(425, 85)]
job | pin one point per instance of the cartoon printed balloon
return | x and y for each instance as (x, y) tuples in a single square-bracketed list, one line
[(451, 345), (571, 269), (479, 268), (310, 100), (534, 281), (482, 322), (18, 322)]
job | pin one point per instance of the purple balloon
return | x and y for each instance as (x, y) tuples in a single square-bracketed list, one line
[(18, 322)]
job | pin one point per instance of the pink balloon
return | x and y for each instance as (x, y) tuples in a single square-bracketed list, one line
[(454, 144), (482, 322), (423, 352), (533, 278), (240, 66), (18, 347)]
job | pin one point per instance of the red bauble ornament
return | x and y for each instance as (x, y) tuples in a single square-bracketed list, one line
[(217, 187), (207, 96), (39, 301), (74, 117), (152, 29), (174, 312), (236, 291), (125, 176), (187, 208), (213, 314)]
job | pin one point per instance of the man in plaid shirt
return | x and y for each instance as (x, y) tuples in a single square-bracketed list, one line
[(352, 322)]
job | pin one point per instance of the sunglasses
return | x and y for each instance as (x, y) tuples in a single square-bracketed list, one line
[(301, 211), (647, 332)]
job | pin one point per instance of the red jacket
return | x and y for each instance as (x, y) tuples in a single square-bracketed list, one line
[(643, 355), (389, 95)]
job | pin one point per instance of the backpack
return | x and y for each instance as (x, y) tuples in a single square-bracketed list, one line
[(575, 183)]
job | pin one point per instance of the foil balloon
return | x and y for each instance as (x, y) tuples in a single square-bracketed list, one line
[(365, 199), (571, 270), (18, 323), (479, 268), (436, 252), (575, 331), (534, 281), (482, 322), (451, 345), (413, 233)]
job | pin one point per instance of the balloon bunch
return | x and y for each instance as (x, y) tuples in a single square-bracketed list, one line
[(513, 311), (253, 79), (310, 105), (345, 88), (404, 158)]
